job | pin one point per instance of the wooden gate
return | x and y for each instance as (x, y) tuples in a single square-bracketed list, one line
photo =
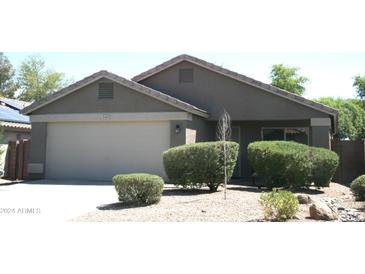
[(352, 160), (16, 163)]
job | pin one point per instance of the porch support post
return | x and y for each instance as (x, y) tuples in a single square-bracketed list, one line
[(321, 132)]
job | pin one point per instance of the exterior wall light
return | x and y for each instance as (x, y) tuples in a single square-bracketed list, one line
[(177, 129)]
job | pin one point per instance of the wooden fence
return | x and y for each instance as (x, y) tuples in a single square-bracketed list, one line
[(352, 160), (16, 163)]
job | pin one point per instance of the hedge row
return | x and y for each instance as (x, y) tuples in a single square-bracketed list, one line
[(200, 164), (293, 165)]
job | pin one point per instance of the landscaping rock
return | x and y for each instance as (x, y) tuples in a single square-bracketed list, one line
[(344, 214), (319, 210), (350, 215), (304, 199)]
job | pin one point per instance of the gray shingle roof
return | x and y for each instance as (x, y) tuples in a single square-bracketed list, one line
[(118, 79), (238, 77)]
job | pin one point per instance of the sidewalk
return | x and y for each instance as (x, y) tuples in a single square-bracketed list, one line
[(8, 182)]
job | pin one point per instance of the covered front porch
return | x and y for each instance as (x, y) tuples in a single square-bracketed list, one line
[(313, 132)]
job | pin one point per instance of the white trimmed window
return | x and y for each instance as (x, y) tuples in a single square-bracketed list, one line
[(296, 134)]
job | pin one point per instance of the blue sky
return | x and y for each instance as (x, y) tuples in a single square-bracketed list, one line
[(330, 74)]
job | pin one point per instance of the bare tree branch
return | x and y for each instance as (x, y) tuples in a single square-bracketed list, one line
[(224, 132)]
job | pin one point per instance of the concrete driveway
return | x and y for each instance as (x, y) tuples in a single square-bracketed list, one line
[(52, 200)]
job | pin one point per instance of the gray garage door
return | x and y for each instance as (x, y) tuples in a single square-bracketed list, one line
[(99, 150)]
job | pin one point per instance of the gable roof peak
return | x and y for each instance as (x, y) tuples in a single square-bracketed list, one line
[(238, 77), (123, 81), (102, 72), (184, 56)]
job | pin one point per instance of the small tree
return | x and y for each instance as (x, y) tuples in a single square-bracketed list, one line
[(287, 78), (359, 84), (36, 81), (7, 83), (351, 117), (224, 132)]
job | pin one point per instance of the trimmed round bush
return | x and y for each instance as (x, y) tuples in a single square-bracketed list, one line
[(358, 188), (200, 164), (324, 165), (141, 188), (292, 165), (280, 163)]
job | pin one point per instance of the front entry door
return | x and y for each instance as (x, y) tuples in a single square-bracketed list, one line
[(235, 137)]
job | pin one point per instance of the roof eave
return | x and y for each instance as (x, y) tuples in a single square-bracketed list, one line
[(128, 83), (238, 77)]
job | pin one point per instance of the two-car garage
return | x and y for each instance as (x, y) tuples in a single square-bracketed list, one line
[(99, 150), (104, 125)]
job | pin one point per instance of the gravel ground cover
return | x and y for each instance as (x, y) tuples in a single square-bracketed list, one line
[(340, 197), (242, 205), (189, 206)]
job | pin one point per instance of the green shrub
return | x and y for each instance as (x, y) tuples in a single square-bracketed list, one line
[(292, 165), (358, 188), (324, 165), (279, 205), (200, 164), (138, 188)]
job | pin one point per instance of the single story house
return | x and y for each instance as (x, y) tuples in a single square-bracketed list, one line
[(15, 126), (106, 124)]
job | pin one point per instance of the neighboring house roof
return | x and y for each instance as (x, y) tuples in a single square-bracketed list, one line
[(15, 125), (13, 103), (238, 77), (12, 115), (120, 80)]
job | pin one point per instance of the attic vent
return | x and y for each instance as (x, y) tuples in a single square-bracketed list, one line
[(186, 76), (106, 91)]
